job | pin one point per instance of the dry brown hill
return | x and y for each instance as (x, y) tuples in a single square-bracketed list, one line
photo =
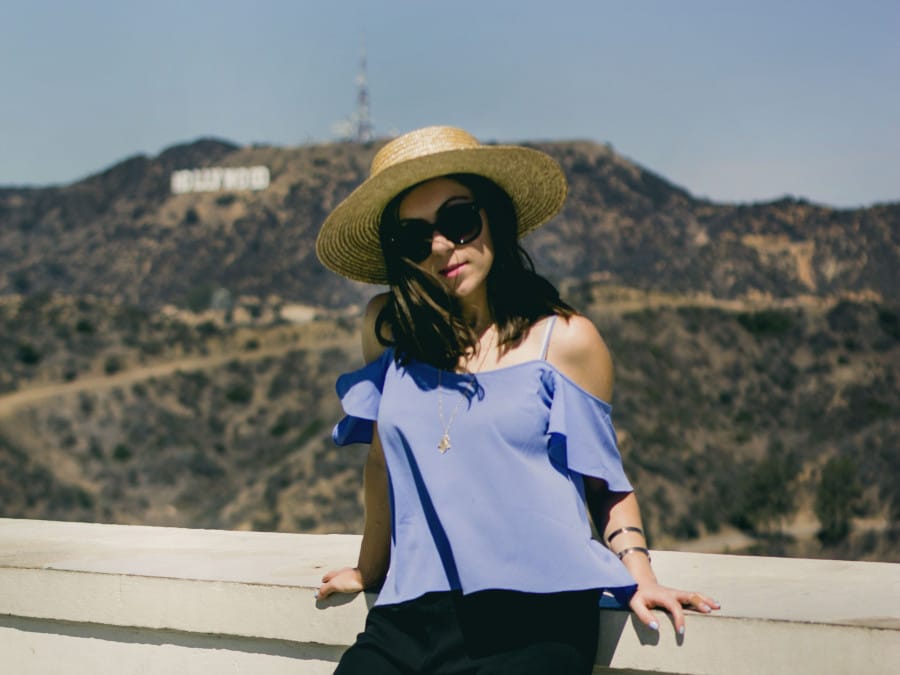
[(122, 235), (743, 427), (757, 350)]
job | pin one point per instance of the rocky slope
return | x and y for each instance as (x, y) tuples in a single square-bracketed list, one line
[(733, 421), (757, 350), (122, 235)]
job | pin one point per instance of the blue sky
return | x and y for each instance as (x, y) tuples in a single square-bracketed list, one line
[(733, 101)]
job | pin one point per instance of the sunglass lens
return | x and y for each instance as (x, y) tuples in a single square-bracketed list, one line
[(460, 223), (414, 241)]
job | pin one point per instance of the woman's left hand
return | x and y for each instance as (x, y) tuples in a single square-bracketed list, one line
[(650, 595)]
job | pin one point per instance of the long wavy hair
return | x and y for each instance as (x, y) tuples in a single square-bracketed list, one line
[(425, 321)]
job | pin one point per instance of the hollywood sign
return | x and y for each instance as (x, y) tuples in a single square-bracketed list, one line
[(215, 179)]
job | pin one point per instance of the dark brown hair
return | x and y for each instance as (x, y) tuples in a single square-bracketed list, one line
[(425, 321)]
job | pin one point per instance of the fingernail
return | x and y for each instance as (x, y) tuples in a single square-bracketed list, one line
[(653, 625), (704, 607), (717, 603), (316, 595), (681, 630)]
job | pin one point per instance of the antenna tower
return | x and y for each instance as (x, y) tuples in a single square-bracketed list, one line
[(364, 131)]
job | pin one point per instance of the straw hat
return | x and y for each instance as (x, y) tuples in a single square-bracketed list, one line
[(348, 242)]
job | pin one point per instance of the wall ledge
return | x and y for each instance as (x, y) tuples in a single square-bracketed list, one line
[(93, 598)]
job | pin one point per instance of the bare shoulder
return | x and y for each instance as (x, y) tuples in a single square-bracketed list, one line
[(579, 352), (371, 347)]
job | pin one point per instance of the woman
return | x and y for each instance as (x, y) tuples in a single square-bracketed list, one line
[(484, 400)]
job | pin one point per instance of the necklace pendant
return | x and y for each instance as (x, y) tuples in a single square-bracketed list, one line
[(444, 445)]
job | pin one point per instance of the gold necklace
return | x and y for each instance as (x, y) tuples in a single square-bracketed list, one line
[(445, 445)]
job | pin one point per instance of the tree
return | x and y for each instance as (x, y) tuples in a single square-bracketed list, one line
[(765, 493), (839, 490)]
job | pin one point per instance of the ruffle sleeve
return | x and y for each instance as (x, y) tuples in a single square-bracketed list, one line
[(582, 437), (360, 395)]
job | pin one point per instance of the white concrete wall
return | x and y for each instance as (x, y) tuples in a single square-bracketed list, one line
[(88, 598)]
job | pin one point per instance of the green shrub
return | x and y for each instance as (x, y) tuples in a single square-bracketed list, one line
[(281, 426), (201, 465), (766, 323), (84, 326), (686, 528), (121, 453), (239, 392), (198, 298), (21, 284), (151, 347), (836, 496), (86, 403), (889, 322), (764, 493), (28, 354), (208, 329), (112, 365), (191, 217)]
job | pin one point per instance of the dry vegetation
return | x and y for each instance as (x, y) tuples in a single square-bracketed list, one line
[(148, 373), (744, 430), (778, 423), (206, 436)]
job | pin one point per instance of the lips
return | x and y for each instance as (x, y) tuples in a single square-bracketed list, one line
[(451, 271)]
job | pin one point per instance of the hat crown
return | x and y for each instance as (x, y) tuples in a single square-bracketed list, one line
[(421, 143)]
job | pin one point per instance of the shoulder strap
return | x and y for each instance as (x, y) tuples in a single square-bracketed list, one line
[(547, 332)]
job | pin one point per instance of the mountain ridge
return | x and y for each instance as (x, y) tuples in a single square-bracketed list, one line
[(121, 234), (755, 348)]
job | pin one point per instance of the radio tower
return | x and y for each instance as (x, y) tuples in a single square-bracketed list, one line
[(364, 131)]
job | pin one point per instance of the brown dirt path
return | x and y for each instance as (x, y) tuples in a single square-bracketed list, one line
[(10, 403)]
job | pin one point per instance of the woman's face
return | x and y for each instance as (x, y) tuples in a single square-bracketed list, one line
[(463, 268)]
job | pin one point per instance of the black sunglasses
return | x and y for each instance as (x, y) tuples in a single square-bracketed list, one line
[(459, 223)]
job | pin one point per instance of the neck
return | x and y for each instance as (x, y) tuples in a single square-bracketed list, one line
[(477, 313), (479, 321)]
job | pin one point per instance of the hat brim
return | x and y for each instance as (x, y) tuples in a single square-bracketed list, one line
[(349, 242)]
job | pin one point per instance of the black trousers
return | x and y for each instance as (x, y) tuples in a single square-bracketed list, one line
[(486, 633)]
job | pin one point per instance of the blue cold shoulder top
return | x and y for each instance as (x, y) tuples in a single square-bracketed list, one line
[(504, 507)]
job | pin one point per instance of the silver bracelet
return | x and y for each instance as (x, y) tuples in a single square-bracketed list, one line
[(632, 549), (627, 528)]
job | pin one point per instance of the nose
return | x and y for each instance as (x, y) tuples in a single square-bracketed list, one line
[(440, 244)]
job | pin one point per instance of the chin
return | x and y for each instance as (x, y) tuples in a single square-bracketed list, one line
[(465, 284), (460, 288)]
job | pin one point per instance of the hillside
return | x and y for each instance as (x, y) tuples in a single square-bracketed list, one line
[(153, 368), (729, 436), (122, 235)]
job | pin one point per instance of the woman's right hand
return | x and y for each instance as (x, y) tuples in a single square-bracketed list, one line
[(344, 580)]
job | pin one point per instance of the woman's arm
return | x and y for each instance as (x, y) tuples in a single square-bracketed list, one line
[(612, 511), (579, 352), (375, 550)]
